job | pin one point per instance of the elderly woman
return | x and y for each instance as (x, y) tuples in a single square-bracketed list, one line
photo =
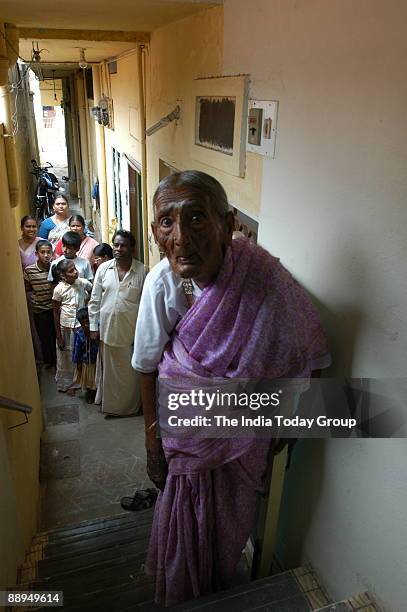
[(28, 240), (77, 225), (222, 309), (54, 227)]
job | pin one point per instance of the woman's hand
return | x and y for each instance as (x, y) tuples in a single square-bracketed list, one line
[(157, 468), (61, 343), (94, 335)]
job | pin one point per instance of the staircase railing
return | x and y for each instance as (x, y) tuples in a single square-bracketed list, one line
[(10, 404)]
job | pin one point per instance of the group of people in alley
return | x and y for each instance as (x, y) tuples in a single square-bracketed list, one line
[(83, 299), (212, 308)]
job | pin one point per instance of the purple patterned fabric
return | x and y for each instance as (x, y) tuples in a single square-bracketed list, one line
[(253, 321), (28, 255)]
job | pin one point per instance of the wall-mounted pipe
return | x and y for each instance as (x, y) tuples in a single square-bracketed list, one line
[(89, 206), (75, 138), (83, 142), (101, 158), (142, 114), (172, 116)]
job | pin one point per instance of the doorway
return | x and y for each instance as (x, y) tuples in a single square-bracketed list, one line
[(117, 196), (136, 209)]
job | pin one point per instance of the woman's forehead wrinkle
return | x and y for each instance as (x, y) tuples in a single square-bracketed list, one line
[(165, 207), (178, 198)]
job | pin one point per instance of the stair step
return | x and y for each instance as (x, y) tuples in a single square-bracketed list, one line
[(275, 589), (97, 541), (112, 597), (101, 548), (297, 590), (48, 568), (98, 565), (362, 602), (88, 527), (95, 579)]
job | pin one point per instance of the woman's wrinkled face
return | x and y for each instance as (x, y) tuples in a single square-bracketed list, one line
[(191, 233), (76, 226), (29, 229), (60, 207)]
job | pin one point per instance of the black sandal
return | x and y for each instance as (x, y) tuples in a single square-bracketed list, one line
[(142, 500)]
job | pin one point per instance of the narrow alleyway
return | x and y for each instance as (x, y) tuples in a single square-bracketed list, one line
[(87, 462)]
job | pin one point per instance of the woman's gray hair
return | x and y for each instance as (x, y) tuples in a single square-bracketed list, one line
[(197, 182)]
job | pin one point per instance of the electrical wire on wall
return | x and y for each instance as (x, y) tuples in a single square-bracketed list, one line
[(16, 86)]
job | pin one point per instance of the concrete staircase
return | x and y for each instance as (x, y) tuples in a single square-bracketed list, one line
[(99, 567)]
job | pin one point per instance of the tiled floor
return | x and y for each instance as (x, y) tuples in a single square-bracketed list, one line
[(111, 459)]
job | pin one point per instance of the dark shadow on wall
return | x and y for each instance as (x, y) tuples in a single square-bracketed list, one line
[(302, 488), (342, 330), (304, 480)]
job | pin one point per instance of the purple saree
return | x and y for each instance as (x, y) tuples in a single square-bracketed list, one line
[(254, 321)]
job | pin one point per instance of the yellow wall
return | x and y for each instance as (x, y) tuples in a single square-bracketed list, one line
[(179, 53), (124, 91), (18, 380), (47, 92), (122, 87)]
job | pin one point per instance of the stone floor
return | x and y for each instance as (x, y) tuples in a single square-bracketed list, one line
[(88, 463)]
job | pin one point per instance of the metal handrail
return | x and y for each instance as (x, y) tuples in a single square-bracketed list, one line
[(10, 404)]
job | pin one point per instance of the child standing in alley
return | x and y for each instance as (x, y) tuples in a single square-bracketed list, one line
[(39, 290), (70, 295), (84, 356), (71, 242)]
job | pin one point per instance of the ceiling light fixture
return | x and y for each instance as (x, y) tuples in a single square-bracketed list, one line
[(82, 59)]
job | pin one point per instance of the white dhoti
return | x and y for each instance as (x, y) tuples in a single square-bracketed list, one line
[(118, 383)]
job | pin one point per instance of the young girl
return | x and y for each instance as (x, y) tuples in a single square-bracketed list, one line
[(84, 356), (70, 294), (101, 253)]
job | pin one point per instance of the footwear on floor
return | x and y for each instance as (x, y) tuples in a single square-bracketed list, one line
[(142, 499)]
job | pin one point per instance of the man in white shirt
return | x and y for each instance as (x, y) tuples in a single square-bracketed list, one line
[(163, 304), (113, 310)]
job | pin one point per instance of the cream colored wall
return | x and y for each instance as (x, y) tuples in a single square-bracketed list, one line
[(20, 447), (179, 53), (48, 91), (333, 207), (122, 87)]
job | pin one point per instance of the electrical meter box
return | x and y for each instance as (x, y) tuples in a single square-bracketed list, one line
[(262, 127)]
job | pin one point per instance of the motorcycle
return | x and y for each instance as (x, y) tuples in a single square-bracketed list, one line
[(45, 194)]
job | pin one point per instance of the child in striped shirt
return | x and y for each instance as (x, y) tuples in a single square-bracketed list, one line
[(39, 291)]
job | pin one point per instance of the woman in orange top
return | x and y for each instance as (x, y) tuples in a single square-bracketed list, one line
[(77, 224)]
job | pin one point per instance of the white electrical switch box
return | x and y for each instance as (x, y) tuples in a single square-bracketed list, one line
[(255, 126), (262, 127)]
